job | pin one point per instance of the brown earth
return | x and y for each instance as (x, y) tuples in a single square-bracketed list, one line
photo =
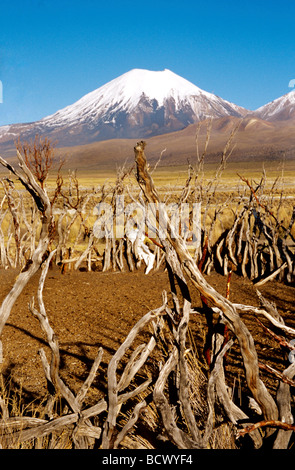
[(256, 141), (88, 310)]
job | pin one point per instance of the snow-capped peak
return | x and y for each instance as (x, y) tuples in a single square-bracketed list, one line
[(281, 108), (140, 103), (155, 85), (125, 92)]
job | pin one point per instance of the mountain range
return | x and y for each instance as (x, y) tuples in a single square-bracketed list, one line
[(161, 105)]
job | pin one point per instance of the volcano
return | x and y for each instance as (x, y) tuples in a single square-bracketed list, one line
[(138, 104)]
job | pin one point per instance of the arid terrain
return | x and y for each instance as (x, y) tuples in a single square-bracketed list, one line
[(147, 229), (96, 291), (88, 310), (256, 140)]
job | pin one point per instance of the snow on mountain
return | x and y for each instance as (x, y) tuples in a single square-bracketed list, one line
[(138, 104), (281, 109), (128, 91)]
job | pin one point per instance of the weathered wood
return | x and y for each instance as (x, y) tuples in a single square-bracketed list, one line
[(183, 377), (267, 423), (249, 354), (134, 365), (277, 323), (91, 376), (131, 422), (43, 203), (242, 244), (175, 434), (284, 399), (57, 382), (8, 425), (113, 385), (271, 276), (211, 393)]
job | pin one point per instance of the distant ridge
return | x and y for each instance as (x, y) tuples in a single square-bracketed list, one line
[(281, 109), (255, 141)]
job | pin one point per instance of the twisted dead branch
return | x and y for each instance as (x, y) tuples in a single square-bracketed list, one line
[(186, 264), (42, 201), (168, 389), (113, 386)]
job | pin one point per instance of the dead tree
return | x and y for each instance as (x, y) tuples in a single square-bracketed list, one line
[(43, 204), (165, 374), (181, 263), (74, 419), (38, 155)]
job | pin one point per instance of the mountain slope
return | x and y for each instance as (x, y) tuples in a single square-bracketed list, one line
[(254, 142), (138, 104), (281, 109)]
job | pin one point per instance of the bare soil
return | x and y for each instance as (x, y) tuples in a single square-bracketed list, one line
[(88, 310)]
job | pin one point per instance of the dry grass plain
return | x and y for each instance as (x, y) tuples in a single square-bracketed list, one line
[(89, 310), (175, 176)]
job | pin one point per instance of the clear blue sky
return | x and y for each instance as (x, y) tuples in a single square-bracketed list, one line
[(53, 53)]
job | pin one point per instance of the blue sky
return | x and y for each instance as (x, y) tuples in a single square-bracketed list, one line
[(53, 53)]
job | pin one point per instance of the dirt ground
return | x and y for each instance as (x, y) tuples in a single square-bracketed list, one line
[(88, 310)]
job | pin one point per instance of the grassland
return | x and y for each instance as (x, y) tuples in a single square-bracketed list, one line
[(176, 175), (82, 305)]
